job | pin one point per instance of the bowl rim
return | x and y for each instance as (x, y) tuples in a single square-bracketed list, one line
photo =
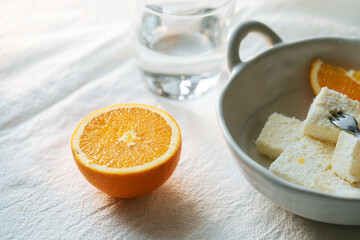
[(235, 147)]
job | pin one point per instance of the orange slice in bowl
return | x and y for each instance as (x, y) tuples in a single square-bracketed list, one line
[(345, 81), (127, 150)]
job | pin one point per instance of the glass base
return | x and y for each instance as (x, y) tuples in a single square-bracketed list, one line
[(180, 87)]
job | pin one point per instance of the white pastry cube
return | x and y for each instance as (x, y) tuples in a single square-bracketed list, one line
[(326, 103), (346, 159), (330, 183), (278, 133), (301, 161)]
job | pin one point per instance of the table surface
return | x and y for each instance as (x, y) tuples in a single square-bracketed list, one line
[(61, 60)]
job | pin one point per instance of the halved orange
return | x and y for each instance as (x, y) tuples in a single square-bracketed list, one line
[(346, 81), (127, 150)]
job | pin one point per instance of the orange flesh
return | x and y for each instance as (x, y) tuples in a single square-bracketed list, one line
[(336, 78), (125, 137)]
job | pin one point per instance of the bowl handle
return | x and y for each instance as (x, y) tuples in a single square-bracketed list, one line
[(240, 32)]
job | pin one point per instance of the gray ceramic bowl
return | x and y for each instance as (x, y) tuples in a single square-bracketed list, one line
[(278, 81)]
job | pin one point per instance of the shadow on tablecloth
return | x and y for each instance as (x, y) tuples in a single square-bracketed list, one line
[(167, 213)]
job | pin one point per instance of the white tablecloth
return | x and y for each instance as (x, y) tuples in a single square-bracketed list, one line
[(61, 60)]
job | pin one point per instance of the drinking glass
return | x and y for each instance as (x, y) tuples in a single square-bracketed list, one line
[(180, 45)]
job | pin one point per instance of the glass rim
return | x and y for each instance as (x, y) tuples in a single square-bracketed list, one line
[(145, 7)]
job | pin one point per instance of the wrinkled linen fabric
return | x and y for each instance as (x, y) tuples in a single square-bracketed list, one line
[(61, 60)]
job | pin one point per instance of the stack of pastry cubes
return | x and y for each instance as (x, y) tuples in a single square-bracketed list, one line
[(315, 153)]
